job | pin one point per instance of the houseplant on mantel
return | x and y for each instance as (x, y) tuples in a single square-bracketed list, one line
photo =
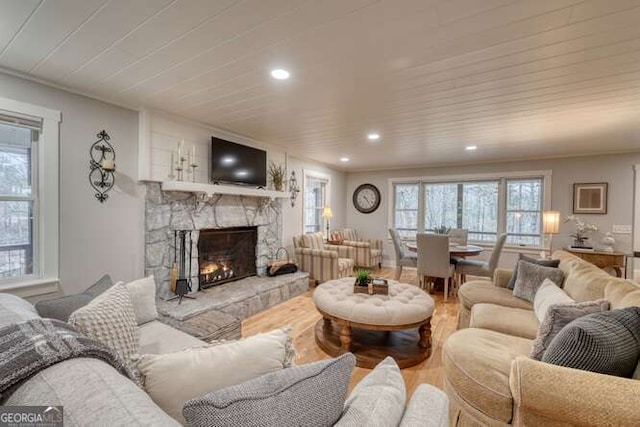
[(277, 175)]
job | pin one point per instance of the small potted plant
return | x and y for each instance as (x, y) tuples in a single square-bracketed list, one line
[(277, 175), (363, 277)]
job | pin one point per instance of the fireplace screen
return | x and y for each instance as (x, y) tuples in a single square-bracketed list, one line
[(226, 254)]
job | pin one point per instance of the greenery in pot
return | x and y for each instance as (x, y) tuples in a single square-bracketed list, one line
[(277, 175), (363, 277)]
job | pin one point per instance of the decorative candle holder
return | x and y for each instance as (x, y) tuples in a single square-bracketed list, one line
[(193, 167), (102, 166)]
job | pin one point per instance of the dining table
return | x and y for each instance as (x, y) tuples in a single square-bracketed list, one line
[(462, 251)]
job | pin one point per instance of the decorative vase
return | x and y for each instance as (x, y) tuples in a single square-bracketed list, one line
[(608, 241)]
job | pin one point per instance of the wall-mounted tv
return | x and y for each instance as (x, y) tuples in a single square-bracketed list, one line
[(237, 164)]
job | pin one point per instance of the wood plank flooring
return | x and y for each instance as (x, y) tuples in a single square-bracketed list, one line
[(301, 315)]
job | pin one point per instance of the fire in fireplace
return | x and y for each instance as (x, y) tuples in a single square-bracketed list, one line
[(226, 254)]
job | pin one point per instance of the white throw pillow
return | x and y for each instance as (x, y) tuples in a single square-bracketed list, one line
[(378, 399), (143, 298), (174, 378), (110, 319), (548, 294)]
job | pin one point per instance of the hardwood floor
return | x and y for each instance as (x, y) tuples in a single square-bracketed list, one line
[(301, 315)]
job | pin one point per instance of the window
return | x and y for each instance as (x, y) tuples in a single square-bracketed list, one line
[(18, 198), (406, 217), (485, 205), (29, 209), (524, 211), (316, 188)]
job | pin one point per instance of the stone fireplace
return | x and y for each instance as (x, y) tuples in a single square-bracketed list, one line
[(167, 211), (226, 254)]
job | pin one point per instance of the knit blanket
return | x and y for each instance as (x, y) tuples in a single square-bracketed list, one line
[(28, 347)]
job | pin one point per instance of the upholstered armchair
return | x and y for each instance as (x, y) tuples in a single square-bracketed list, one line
[(322, 261), (368, 253)]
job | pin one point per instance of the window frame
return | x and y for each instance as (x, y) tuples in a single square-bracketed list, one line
[(313, 174), (501, 177), (46, 188)]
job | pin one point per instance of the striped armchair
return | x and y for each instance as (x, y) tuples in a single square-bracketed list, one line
[(323, 262), (368, 253)]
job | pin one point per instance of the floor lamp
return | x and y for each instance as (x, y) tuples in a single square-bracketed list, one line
[(550, 226), (327, 214)]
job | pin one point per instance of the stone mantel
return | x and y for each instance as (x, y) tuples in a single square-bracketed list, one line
[(168, 211)]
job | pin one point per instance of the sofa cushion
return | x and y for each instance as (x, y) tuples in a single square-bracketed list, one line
[(92, 393), (484, 291), (110, 319), (622, 293), (172, 379), (543, 262), (61, 308), (378, 399), (607, 343), (557, 317), (14, 309), (158, 338), (518, 322), (143, 299), (584, 281), (311, 394), (530, 278), (477, 364)]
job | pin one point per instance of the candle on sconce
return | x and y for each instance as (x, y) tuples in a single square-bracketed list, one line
[(193, 154), (108, 165)]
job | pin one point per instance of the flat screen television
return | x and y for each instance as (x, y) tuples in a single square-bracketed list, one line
[(233, 163)]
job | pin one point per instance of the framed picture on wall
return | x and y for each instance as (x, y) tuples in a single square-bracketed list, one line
[(590, 198)]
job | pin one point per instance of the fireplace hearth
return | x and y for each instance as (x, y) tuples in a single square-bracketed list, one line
[(226, 254)]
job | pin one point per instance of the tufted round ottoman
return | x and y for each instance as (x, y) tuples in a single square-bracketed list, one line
[(373, 327)]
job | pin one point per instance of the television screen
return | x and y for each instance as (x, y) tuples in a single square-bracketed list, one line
[(237, 164)]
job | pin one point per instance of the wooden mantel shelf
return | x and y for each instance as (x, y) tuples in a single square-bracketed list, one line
[(211, 189)]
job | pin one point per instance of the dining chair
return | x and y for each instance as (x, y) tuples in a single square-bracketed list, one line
[(404, 258), (472, 267), (458, 236), (433, 260)]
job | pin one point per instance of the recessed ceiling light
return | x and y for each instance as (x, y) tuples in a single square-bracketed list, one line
[(373, 136), (471, 147), (280, 74), (344, 159)]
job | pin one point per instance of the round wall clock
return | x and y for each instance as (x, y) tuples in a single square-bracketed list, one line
[(366, 198)]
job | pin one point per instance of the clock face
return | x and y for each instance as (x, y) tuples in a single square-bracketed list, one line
[(366, 198)]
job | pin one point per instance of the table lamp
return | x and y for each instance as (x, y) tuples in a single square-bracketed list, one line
[(550, 226), (327, 213)]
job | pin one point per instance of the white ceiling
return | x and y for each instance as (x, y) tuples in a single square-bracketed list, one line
[(519, 79)]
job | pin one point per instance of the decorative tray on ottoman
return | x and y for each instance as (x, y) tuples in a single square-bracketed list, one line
[(378, 286)]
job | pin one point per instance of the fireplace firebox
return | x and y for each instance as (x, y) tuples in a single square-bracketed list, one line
[(226, 254)]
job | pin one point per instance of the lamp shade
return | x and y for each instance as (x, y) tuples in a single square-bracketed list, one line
[(551, 222), (327, 213)]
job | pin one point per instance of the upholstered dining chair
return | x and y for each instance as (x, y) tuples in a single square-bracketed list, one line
[(459, 236), (481, 268), (404, 258), (434, 261)]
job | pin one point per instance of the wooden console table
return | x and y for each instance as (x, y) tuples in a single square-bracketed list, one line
[(604, 260)]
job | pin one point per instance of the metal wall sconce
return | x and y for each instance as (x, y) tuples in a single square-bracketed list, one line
[(102, 166), (293, 189)]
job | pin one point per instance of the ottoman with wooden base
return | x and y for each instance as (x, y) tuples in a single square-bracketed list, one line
[(373, 327)]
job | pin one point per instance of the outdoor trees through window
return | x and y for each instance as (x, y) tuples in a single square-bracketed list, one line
[(486, 208)]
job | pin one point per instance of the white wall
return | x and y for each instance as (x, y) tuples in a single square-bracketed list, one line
[(616, 169), (95, 238)]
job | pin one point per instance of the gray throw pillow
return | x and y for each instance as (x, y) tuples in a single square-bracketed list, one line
[(606, 343), (543, 262), (61, 308), (311, 394), (531, 276), (558, 316)]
